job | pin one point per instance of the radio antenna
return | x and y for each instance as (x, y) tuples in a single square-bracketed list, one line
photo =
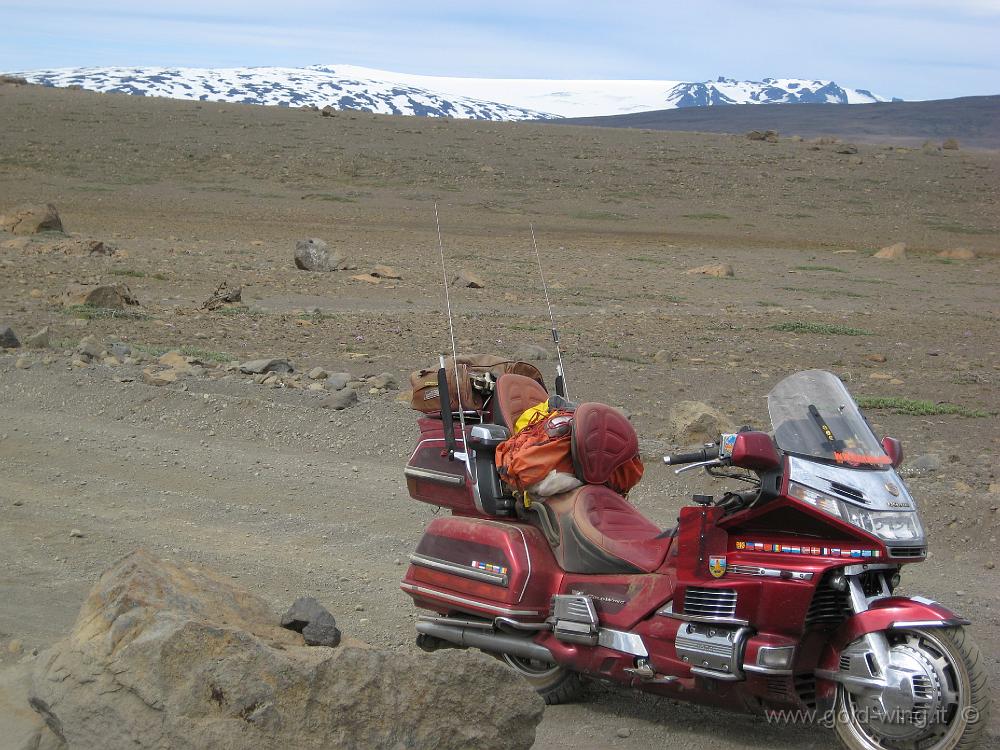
[(443, 396), (561, 389)]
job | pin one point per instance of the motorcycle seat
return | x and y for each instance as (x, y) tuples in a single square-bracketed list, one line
[(515, 394), (600, 532), (603, 439)]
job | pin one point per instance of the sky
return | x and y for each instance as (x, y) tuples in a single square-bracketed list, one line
[(913, 49)]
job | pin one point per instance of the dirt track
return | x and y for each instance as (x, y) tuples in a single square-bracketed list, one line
[(292, 499)]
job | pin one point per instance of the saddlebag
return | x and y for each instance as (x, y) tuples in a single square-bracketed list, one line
[(481, 567)]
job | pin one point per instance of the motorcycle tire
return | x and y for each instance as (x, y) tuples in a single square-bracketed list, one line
[(964, 719), (554, 683)]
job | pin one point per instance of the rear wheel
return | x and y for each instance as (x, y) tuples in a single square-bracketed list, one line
[(554, 683), (942, 703)]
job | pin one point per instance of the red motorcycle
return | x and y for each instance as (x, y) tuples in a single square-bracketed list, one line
[(777, 598)]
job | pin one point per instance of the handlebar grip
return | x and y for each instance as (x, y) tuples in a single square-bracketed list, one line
[(705, 454)]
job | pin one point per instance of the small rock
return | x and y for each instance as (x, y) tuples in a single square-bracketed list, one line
[(8, 339), (317, 373), (929, 462), (385, 272), (309, 617), (847, 148), (15, 647), (121, 350), (338, 380), (259, 366), (88, 348), (696, 422), (314, 255), (32, 219), (663, 356), (367, 278), (161, 378), (23, 363), (720, 270), (624, 733), (384, 381), (532, 352), (876, 358), (39, 339), (469, 279), (896, 251), (173, 359), (317, 387), (339, 400), (950, 144), (76, 534)]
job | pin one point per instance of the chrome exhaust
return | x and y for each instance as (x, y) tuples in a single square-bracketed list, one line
[(487, 641)]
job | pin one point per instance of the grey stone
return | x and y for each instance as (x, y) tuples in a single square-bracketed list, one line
[(23, 728), (469, 279), (929, 462), (697, 422), (313, 620), (340, 400), (385, 380), (8, 339), (337, 381), (259, 366), (89, 348), (175, 656), (532, 352), (847, 148), (121, 350), (314, 255), (317, 373)]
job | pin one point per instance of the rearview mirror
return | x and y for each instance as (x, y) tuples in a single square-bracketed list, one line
[(754, 450), (894, 450)]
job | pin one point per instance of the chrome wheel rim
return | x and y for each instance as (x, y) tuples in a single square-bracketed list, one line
[(938, 715)]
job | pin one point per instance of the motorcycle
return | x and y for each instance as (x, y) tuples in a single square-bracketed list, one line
[(775, 599)]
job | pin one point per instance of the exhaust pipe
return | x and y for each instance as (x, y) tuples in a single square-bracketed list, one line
[(486, 641)]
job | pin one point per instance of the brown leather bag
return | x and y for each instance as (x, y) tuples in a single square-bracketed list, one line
[(473, 385)]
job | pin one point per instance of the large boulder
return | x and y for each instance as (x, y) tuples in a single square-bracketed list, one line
[(113, 296), (168, 656), (696, 422), (32, 219), (314, 255)]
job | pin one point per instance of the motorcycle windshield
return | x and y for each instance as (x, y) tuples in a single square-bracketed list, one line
[(813, 415)]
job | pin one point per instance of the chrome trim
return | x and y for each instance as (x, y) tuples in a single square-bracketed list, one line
[(415, 472), (723, 676), (620, 640), (702, 618), (756, 570), (456, 622), (950, 622), (465, 571), (756, 669), (855, 570), (506, 622), (434, 594), (869, 482)]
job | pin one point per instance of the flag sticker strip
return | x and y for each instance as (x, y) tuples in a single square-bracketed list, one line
[(789, 549), (490, 567)]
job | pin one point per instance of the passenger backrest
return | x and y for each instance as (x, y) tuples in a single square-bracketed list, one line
[(603, 440), (514, 394)]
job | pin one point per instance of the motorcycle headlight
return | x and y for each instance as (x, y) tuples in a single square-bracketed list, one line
[(892, 526)]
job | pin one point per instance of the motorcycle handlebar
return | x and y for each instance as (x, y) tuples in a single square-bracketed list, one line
[(705, 454)]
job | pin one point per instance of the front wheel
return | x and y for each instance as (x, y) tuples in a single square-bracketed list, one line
[(939, 699), (554, 683)]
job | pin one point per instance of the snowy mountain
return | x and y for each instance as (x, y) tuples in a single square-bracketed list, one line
[(366, 89)]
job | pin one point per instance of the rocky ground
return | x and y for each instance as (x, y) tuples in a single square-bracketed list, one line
[(268, 478)]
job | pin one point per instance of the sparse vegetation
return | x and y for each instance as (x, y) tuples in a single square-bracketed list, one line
[(917, 407), (131, 273), (90, 312), (825, 329), (205, 355)]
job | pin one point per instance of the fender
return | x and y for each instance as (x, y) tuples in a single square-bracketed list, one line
[(891, 613)]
